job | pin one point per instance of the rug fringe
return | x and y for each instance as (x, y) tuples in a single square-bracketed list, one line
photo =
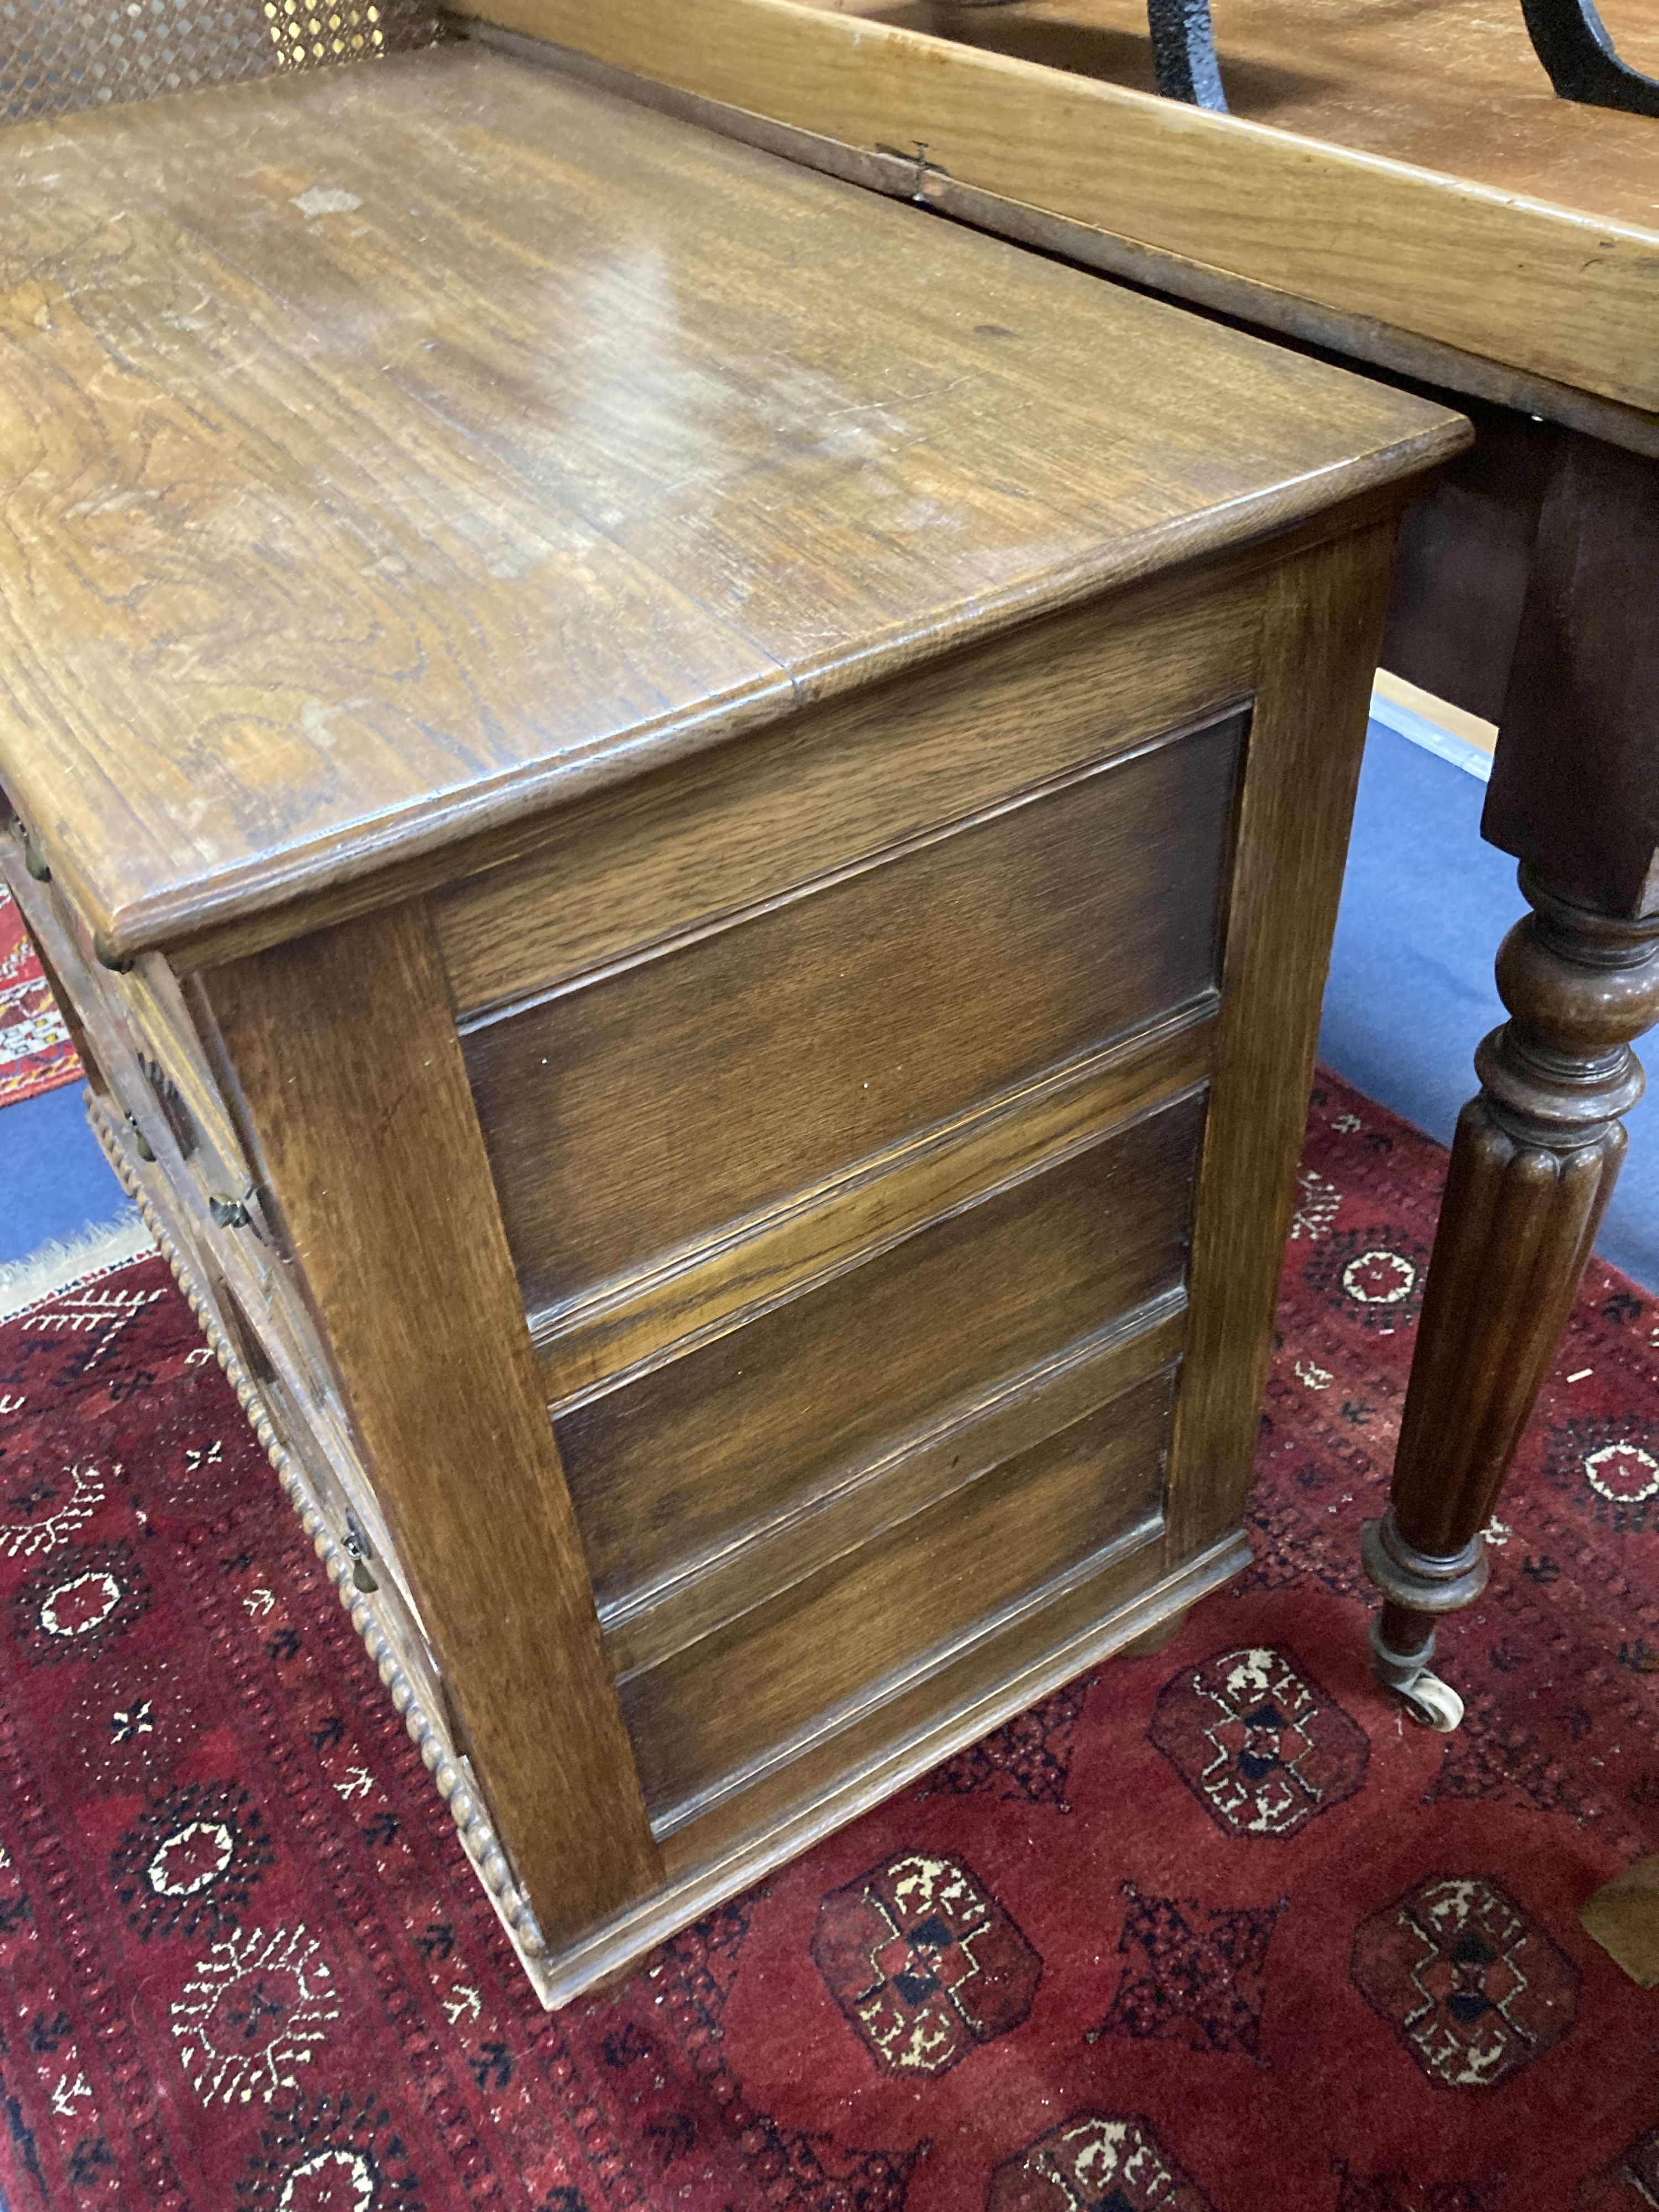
[(62, 1265)]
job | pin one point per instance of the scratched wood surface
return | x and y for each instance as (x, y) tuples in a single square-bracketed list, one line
[(385, 454)]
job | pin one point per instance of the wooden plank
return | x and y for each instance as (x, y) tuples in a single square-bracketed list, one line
[(357, 476), (752, 1695), (1324, 620), (924, 1469), (651, 1108), (1474, 102), (339, 1056), (1459, 578), (1454, 373), (831, 785), (1575, 790), (670, 1471), (1562, 292), (745, 1838), (671, 1309)]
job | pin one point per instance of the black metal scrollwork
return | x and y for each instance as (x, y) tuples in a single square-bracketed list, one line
[(1568, 36), (1580, 60)]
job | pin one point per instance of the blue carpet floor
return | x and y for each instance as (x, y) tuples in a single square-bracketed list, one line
[(1425, 904), (55, 1184), (1410, 996)]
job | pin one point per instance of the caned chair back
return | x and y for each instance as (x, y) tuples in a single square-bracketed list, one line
[(60, 54)]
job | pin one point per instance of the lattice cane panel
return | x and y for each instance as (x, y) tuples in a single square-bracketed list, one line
[(60, 54)]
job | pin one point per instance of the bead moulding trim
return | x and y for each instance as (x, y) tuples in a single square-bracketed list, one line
[(431, 1738)]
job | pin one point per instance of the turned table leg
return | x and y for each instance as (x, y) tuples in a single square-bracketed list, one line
[(1575, 796), (1534, 1160)]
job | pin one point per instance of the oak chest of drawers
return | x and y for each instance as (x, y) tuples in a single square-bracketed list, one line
[(666, 792)]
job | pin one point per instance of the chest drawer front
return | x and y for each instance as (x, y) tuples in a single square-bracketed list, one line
[(135, 1035), (650, 1109)]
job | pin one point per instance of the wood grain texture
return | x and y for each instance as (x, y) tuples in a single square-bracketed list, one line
[(1333, 333), (1324, 620), (668, 1471), (827, 642), (629, 1325), (804, 1664), (989, 1681), (1465, 554), (1570, 291), (351, 1084), (411, 569), (1535, 1159), (680, 849), (638, 1114), (1002, 1423), (1474, 103), (738, 1841)]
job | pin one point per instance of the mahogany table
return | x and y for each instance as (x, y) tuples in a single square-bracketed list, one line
[(1399, 188)]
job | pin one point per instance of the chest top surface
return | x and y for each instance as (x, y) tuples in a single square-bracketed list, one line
[(388, 453)]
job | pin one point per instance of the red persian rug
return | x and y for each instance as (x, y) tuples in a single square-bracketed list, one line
[(1213, 1931), (36, 1052)]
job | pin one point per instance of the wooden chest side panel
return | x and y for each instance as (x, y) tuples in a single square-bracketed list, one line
[(664, 1312), (1096, 1611), (672, 1470), (649, 1109), (812, 1659), (1007, 1418), (836, 783)]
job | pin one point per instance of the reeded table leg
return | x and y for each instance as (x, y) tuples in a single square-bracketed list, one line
[(1535, 1158), (1575, 796)]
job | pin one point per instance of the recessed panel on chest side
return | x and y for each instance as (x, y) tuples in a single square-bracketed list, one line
[(845, 1144), (643, 1113)]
